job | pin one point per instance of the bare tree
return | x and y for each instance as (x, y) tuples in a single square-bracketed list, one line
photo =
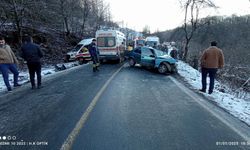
[(146, 30), (101, 13), (3, 16), (69, 16), (66, 8), (18, 12), (85, 13), (15, 9), (192, 10)]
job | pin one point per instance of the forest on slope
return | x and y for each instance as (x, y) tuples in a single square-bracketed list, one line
[(56, 25)]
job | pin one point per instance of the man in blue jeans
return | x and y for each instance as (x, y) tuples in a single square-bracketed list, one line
[(8, 63), (211, 59)]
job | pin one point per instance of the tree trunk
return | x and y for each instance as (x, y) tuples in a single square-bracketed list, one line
[(83, 25), (185, 53), (18, 22), (66, 26)]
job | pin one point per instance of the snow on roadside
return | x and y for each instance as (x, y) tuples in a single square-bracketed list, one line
[(24, 75), (239, 108)]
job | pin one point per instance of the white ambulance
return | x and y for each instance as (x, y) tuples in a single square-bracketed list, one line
[(111, 45), (79, 52), (139, 42), (153, 41)]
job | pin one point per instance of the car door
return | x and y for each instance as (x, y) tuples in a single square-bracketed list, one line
[(137, 55), (147, 57)]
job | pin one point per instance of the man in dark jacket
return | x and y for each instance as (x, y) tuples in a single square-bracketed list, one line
[(93, 51), (32, 54), (174, 53), (211, 60)]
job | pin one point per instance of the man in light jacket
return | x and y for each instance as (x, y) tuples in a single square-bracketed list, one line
[(8, 63), (211, 60)]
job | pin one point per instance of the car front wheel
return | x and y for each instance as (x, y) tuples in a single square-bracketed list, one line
[(164, 68), (131, 62)]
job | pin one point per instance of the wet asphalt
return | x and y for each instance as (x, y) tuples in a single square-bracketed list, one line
[(139, 110)]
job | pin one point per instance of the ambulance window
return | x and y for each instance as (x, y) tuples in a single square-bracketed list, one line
[(140, 42), (111, 42), (106, 41), (77, 47), (84, 49), (101, 41)]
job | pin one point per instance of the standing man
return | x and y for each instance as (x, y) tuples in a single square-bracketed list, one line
[(94, 53), (211, 59), (8, 62), (174, 53), (130, 47), (32, 54)]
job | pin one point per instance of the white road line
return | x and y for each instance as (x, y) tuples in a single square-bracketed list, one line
[(200, 101), (74, 133)]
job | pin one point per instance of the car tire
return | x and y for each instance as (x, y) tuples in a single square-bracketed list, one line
[(118, 61), (81, 61), (131, 62), (174, 69), (164, 68), (121, 59), (66, 58)]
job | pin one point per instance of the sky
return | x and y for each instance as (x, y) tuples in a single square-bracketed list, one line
[(161, 15)]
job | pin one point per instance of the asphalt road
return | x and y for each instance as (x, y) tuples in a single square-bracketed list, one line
[(118, 108)]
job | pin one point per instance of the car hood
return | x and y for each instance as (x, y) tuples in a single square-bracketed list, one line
[(71, 52), (164, 57)]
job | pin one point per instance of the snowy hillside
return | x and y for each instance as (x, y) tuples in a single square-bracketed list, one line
[(239, 108)]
